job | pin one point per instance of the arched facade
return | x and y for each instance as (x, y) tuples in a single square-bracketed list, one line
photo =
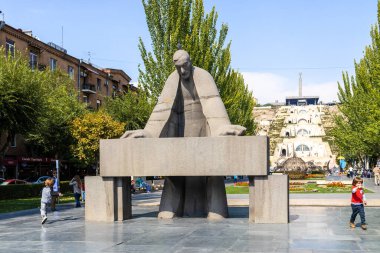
[(303, 132), (302, 121)]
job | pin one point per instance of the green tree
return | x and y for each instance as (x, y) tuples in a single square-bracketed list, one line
[(183, 21), (87, 132), (132, 108), (357, 128), (51, 136), (21, 99)]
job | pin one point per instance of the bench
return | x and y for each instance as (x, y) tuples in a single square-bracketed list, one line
[(109, 199)]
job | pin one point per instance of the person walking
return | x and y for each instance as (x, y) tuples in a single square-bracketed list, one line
[(376, 173), (46, 199), (77, 185), (358, 201), (351, 171), (55, 192), (83, 191)]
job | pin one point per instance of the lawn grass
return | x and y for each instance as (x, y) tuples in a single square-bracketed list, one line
[(314, 188), (11, 205), (306, 188), (237, 189)]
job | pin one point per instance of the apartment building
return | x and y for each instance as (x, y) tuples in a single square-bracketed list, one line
[(92, 83)]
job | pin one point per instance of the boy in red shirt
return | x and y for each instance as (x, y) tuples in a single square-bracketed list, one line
[(357, 201)]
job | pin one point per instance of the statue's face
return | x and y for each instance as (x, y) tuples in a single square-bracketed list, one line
[(184, 69)]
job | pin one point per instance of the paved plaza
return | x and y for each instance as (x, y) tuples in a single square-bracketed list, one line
[(311, 229)]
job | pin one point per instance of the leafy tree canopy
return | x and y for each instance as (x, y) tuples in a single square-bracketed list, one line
[(52, 134), (21, 97), (132, 108), (87, 132), (357, 130)]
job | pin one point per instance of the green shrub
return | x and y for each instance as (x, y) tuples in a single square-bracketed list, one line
[(28, 190)]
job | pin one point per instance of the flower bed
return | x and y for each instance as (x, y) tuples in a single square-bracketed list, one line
[(296, 189), (294, 175), (245, 183), (312, 176), (306, 188), (335, 184), (296, 183)]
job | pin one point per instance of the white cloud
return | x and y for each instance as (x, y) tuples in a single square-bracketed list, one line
[(269, 87), (327, 91)]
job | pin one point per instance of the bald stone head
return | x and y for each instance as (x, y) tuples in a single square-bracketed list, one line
[(182, 62)]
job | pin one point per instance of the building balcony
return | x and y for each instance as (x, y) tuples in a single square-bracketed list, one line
[(88, 88)]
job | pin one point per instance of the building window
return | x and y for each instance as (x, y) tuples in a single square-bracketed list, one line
[(13, 141), (98, 84), (32, 60), (70, 71), (302, 147), (114, 90), (85, 99), (53, 64), (98, 103), (10, 47), (107, 91)]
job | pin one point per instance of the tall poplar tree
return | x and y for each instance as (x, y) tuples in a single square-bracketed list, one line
[(171, 22), (357, 130)]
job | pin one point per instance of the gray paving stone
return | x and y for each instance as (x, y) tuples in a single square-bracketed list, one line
[(324, 244), (312, 230)]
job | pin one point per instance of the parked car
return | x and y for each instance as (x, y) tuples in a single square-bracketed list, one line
[(40, 180), (14, 181), (2, 180)]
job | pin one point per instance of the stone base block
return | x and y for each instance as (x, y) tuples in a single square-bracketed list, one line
[(269, 199), (108, 198)]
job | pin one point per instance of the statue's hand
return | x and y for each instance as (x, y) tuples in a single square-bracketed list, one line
[(140, 133), (231, 130)]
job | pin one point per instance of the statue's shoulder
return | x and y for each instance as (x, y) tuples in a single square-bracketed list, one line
[(204, 82), (172, 79), (201, 72), (174, 74)]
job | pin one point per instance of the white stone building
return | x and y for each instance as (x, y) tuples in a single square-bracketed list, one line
[(302, 137)]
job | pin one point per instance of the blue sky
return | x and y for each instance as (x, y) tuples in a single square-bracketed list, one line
[(272, 40)]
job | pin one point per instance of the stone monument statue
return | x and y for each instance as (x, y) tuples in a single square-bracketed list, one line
[(190, 106)]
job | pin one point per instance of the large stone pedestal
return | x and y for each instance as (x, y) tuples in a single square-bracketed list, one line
[(108, 197)]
